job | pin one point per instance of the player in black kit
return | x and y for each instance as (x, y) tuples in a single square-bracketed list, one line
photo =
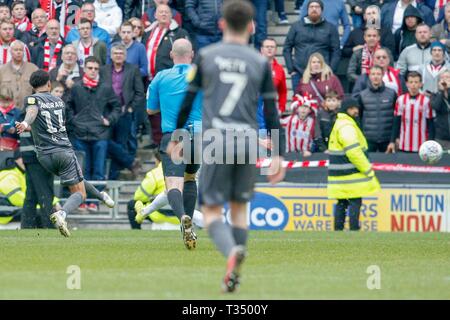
[(46, 116)]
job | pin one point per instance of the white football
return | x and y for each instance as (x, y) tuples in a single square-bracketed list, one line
[(430, 151)]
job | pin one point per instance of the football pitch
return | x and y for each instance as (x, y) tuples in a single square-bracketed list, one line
[(126, 264)]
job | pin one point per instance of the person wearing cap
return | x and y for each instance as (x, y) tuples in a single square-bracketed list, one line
[(350, 174), (432, 70)]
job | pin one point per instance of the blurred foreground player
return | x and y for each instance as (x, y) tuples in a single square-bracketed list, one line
[(232, 76), (46, 115)]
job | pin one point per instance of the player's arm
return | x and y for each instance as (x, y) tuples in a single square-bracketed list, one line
[(30, 116), (153, 106)]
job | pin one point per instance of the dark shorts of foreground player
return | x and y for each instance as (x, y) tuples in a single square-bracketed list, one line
[(63, 164), (171, 169)]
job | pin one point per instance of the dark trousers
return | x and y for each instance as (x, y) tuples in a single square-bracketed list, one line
[(353, 206), (377, 146), (155, 123), (260, 21), (132, 215), (39, 191)]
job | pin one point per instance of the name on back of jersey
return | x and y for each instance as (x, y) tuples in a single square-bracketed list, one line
[(51, 105), (230, 64)]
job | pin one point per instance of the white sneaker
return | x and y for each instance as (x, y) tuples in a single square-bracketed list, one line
[(107, 200), (58, 220)]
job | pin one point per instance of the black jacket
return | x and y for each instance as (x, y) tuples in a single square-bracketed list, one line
[(357, 38), (205, 15), (54, 74), (404, 37), (85, 109), (163, 60), (132, 85), (31, 38), (307, 38), (377, 113), (442, 121), (37, 54)]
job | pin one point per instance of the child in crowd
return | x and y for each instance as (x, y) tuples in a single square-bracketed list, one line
[(57, 89), (327, 116), (9, 114)]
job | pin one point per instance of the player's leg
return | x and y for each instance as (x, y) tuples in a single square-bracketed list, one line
[(93, 192), (190, 190)]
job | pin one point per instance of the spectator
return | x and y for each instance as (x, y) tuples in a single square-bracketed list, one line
[(327, 116), (437, 7), (406, 34), (108, 16), (93, 109), (136, 53), (69, 71), (20, 19), (441, 105), (159, 39), (413, 117), (149, 16), (9, 114), (357, 12), (88, 11), (356, 38), (431, 71), (205, 15), (260, 32), (6, 38), (63, 11), (440, 32), (5, 12), (16, 74), (127, 84), (138, 29), (269, 50), (135, 8), (309, 35), (362, 59), (47, 54), (88, 45), (37, 32), (392, 13), (279, 8), (416, 55), (391, 76), (332, 11), (57, 89), (318, 79), (377, 103)]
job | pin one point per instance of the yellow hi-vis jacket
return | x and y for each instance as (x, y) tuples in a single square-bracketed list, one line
[(13, 187), (350, 174), (152, 185)]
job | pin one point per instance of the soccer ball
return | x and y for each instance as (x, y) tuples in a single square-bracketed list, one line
[(430, 151)]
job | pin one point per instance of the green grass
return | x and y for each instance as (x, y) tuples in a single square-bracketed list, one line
[(280, 265)]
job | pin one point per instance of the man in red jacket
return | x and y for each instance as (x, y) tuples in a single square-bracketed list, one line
[(269, 50)]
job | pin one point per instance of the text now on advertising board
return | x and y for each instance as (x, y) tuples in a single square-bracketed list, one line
[(307, 208)]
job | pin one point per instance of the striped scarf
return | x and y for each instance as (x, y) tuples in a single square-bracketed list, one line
[(152, 45), (23, 25), (367, 58), (90, 83), (50, 62)]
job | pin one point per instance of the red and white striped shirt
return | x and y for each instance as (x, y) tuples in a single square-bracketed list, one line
[(299, 133), (414, 113), (152, 45)]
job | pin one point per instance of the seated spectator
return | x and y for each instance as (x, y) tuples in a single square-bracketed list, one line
[(392, 13), (299, 127), (5, 11), (57, 89), (318, 79), (269, 50), (149, 16), (413, 117), (391, 76), (440, 102), (136, 53), (62, 11), (47, 54), (12, 186), (431, 71), (440, 32), (138, 29), (20, 18), (6, 38), (326, 117), (92, 110), (377, 104), (166, 31), (37, 33), (16, 74), (108, 16), (205, 15), (371, 19), (69, 71), (362, 59), (88, 11), (311, 34), (416, 55), (88, 45), (406, 34), (333, 11), (9, 114), (127, 84)]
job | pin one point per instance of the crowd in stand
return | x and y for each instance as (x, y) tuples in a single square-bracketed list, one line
[(103, 54)]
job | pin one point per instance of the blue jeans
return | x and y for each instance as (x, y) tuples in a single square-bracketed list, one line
[(94, 158), (261, 22), (206, 40)]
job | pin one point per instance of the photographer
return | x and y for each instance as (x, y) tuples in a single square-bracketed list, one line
[(441, 105)]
